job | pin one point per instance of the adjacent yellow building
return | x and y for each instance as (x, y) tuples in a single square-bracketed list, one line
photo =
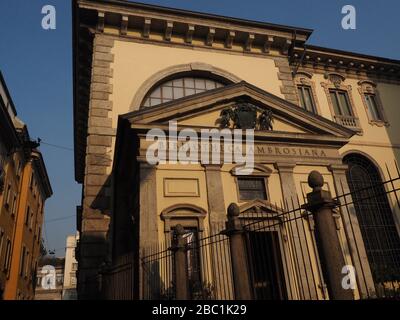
[(24, 188), (137, 67)]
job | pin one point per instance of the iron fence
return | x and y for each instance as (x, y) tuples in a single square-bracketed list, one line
[(282, 260), (117, 282), (282, 252), (208, 274), (369, 214)]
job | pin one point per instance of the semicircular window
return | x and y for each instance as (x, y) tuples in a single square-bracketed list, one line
[(179, 88)]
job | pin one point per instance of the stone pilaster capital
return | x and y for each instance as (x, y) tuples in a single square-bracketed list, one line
[(212, 167), (284, 167), (338, 168), (144, 164)]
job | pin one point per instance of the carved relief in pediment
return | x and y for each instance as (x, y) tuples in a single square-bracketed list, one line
[(243, 115)]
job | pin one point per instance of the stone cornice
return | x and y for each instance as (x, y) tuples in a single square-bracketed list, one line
[(362, 66), (44, 180), (145, 21)]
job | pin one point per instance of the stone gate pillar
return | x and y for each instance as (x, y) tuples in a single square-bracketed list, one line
[(321, 204)]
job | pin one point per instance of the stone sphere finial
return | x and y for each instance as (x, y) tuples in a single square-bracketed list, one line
[(233, 210), (315, 180), (179, 230)]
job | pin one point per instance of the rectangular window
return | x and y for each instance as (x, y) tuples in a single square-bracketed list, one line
[(22, 263), (31, 182), (8, 196), (31, 222), (252, 188), (38, 235), (306, 98), (19, 168), (28, 209), (14, 206), (34, 189), (344, 103), (341, 103), (7, 256), (39, 206), (1, 245), (27, 266), (373, 107)]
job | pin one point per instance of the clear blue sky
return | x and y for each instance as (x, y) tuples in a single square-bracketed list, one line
[(37, 66)]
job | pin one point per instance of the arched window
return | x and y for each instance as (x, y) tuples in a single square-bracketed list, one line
[(375, 218), (178, 88)]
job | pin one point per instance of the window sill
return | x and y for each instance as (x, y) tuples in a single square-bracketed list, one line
[(379, 123), (357, 130)]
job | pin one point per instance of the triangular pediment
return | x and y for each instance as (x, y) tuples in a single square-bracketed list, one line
[(204, 111), (259, 209)]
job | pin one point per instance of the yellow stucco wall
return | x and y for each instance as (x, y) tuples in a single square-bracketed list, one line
[(134, 63)]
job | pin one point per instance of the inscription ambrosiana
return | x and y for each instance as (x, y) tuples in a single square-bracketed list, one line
[(290, 151), (238, 147), (294, 151)]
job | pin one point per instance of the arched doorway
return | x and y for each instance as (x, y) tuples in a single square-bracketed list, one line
[(375, 217)]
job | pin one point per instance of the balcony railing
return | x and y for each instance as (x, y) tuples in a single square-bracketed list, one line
[(349, 122)]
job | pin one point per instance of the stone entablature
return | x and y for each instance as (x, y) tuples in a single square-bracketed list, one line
[(133, 20), (363, 67)]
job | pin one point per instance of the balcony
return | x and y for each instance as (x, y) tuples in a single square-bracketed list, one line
[(350, 122)]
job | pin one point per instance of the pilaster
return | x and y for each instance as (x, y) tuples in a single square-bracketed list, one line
[(352, 230), (301, 253), (215, 196)]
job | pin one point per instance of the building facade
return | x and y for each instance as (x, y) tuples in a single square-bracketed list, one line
[(70, 268), (50, 278), (137, 67), (24, 188)]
